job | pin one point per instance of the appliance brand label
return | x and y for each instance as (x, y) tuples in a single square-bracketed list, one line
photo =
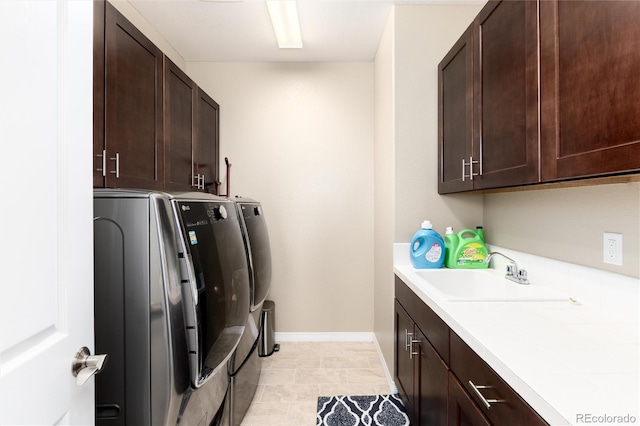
[(192, 238)]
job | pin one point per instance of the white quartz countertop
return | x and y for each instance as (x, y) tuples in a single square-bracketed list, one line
[(575, 361)]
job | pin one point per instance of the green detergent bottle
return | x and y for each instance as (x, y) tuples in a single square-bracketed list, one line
[(466, 249)]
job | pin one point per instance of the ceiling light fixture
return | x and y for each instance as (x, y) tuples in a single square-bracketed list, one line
[(284, 18)]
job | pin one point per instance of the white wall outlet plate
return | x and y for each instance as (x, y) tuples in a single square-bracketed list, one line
[(612, 248)]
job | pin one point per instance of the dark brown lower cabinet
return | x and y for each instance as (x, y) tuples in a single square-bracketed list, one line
[(432, 382), (420, 373), (441, 380), (480, 381), (462, 410), (404, 365)]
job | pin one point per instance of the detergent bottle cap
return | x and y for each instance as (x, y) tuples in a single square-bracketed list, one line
[(449, 230), (427, 224)]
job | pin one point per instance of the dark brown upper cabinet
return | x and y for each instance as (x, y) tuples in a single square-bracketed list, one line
[(207, 143), (154, 128), (131, 151), (180, 95), (455, 115), (191, 129), (98, 95), (488, 101), (590, 114), (505, 137), (553, 95)]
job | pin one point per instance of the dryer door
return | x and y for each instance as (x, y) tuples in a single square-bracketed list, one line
[(213, 240), (260, 251)]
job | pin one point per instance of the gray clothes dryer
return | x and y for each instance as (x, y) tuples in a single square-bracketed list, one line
[(245, 365)]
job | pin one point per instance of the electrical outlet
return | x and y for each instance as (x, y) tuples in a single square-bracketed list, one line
[(612, 248)]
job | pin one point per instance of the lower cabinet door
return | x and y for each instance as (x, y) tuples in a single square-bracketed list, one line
[(404, 374), (432, 382), (462, 410)]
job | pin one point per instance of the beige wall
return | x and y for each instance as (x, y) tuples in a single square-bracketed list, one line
[(300, 139), (424, 34), (415, 40), (567, 224), (384, 199)]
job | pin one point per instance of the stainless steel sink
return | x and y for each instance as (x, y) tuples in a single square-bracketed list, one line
[(484, 285)]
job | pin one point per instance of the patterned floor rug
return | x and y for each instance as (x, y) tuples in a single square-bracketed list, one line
[(375, 410)]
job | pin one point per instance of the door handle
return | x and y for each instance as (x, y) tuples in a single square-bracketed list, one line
[(86, 365)]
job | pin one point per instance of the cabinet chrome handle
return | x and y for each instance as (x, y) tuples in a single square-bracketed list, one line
[(486, 402), (411, 352), (117, 160), (199, 181), (470, 164), (408, 338), (104, 162)]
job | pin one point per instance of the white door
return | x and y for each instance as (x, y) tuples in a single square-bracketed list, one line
[(46, 262)]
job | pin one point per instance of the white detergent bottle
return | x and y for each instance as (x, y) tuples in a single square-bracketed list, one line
[(427, 248)]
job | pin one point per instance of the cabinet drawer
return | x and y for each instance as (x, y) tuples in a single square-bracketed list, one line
[(429, 323), (461, 408), (469, 367)]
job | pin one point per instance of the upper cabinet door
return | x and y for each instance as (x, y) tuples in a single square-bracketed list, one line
[(455, 115), (207, 142), (590, 113), (506, 95), (180, 94), (133, 106), (98, 95)]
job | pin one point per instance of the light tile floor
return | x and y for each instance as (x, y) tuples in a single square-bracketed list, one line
[(293, 378)]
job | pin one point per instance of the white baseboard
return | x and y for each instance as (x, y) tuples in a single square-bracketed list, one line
[(340, 337), (324, 337), (392, 385)]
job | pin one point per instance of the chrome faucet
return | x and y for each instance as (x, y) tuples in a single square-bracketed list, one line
[(513, 273)]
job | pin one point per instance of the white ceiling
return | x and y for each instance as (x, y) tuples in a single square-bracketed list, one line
[(224, 30)]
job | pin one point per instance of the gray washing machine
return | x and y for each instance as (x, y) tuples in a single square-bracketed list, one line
[(245, 365), (171, 301)]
